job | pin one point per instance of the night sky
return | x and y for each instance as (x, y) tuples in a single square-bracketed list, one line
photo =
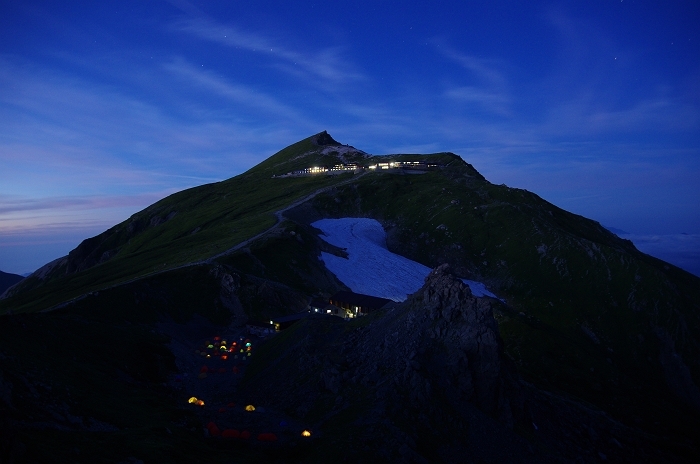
[(106, 107)]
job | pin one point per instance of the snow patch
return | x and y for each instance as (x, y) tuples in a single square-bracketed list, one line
[(478, 289), (370, 267)]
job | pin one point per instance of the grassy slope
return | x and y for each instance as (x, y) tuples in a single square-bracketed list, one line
[(208, 220), (592, 303)]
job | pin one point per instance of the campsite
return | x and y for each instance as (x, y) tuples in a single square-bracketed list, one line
[(208, 374)]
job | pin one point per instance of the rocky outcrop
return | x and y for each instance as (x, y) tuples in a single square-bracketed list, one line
[(229, 284), (324, 138), (442, 343), (429, 370)]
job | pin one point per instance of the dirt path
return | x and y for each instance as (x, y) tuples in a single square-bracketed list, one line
[(280, 218), (278, 215)]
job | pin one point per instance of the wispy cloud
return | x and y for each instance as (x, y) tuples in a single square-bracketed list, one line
[(493, 101), (484, 70), (55, 126), (13, 204), (489, 85), (327, 64), (255, 100), (22, 216)]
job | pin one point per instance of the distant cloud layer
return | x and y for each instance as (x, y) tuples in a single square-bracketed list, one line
[(682, 250)]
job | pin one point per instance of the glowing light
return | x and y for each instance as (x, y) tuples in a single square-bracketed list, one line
[(248, 344), (306, 433), (250, 407), (210, 346), (223, 347), (192, 400), (200, 403)]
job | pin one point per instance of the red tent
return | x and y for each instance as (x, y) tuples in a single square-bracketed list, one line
[(267, 437), (213, 429), (231, 433)]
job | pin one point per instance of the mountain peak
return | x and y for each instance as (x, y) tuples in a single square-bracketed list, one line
[(324, 138)]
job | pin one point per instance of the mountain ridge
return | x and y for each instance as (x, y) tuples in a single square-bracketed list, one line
[(586, 317), (8, 279)]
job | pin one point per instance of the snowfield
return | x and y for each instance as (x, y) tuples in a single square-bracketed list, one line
[(370, 267)]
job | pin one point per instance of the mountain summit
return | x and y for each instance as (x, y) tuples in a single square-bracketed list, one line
[(590, 351), (324, 138)]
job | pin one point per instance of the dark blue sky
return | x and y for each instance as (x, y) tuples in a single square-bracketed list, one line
[(106, 107)]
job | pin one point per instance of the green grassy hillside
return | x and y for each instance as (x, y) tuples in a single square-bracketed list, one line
[(187, 227), (586, 316), (589, 316)]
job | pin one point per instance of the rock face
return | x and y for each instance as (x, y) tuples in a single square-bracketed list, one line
[(324, 138), (444, 352), (466, 350), (428, 374)]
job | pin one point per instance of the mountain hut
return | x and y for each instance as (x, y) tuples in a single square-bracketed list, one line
[(357, 303)]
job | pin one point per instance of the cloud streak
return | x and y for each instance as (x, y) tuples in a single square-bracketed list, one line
[(327, 64), (10, 204), (253, 99)]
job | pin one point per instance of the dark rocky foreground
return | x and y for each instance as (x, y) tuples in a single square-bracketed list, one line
[(428, 382), (424, 381)]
